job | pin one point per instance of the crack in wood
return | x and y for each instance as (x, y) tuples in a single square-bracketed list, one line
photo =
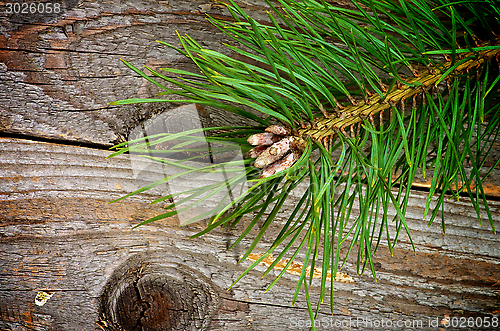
[(48, 50), (263, 303), (33, 138)]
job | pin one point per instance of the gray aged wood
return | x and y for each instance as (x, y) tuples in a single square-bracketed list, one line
[(61, 76), (57, 232)]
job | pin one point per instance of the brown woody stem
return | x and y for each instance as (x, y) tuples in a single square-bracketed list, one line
[(328, 126)]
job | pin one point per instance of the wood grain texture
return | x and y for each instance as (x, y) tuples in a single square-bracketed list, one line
[(58, 232)]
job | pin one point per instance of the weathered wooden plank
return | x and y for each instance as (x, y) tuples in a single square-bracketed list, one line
[(58, 233), (56, 79)]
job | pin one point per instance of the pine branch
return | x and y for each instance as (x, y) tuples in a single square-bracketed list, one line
[(322, 129)]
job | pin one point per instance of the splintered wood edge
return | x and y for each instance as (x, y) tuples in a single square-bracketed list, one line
[(295, 268)]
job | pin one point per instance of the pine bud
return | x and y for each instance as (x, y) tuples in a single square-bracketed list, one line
[(256, 151), (265, 159), (265, 138), (280, 165), (269, 169), (273, 153), (279, 130)]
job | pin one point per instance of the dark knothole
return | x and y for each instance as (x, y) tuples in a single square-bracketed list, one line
[(157, 292)]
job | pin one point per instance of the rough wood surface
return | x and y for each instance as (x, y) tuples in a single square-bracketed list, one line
[(57, 232), (58, 78)]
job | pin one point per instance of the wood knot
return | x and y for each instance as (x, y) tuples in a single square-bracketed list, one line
[(148, 294)]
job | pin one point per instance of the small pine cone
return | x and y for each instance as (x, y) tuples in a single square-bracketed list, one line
[(279, 130), (256, 151), (270, 169), (280, 165), (265, 159), (265, 138), (274, 153)]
